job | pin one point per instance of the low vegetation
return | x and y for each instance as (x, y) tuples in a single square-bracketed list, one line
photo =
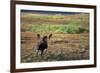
[(46, 28)]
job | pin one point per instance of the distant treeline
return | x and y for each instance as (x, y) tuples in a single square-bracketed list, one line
[(50, 12)]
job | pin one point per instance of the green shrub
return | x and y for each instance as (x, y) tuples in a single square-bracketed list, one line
[(57, 28), (72, 28)]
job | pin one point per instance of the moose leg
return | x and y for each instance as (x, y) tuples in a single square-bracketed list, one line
[(37, 52), (45, 51), (42, 52)]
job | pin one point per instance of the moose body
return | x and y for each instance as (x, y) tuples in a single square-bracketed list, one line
[(42, 43)]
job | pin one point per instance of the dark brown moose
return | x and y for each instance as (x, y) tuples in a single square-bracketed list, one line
[(42, 43)]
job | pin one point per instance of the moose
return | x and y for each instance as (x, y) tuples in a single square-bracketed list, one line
[(42, 43)]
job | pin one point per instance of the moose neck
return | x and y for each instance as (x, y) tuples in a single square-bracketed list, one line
[(45, 41)]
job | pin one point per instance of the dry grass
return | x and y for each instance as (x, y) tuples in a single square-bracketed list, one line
[(61, 47)]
